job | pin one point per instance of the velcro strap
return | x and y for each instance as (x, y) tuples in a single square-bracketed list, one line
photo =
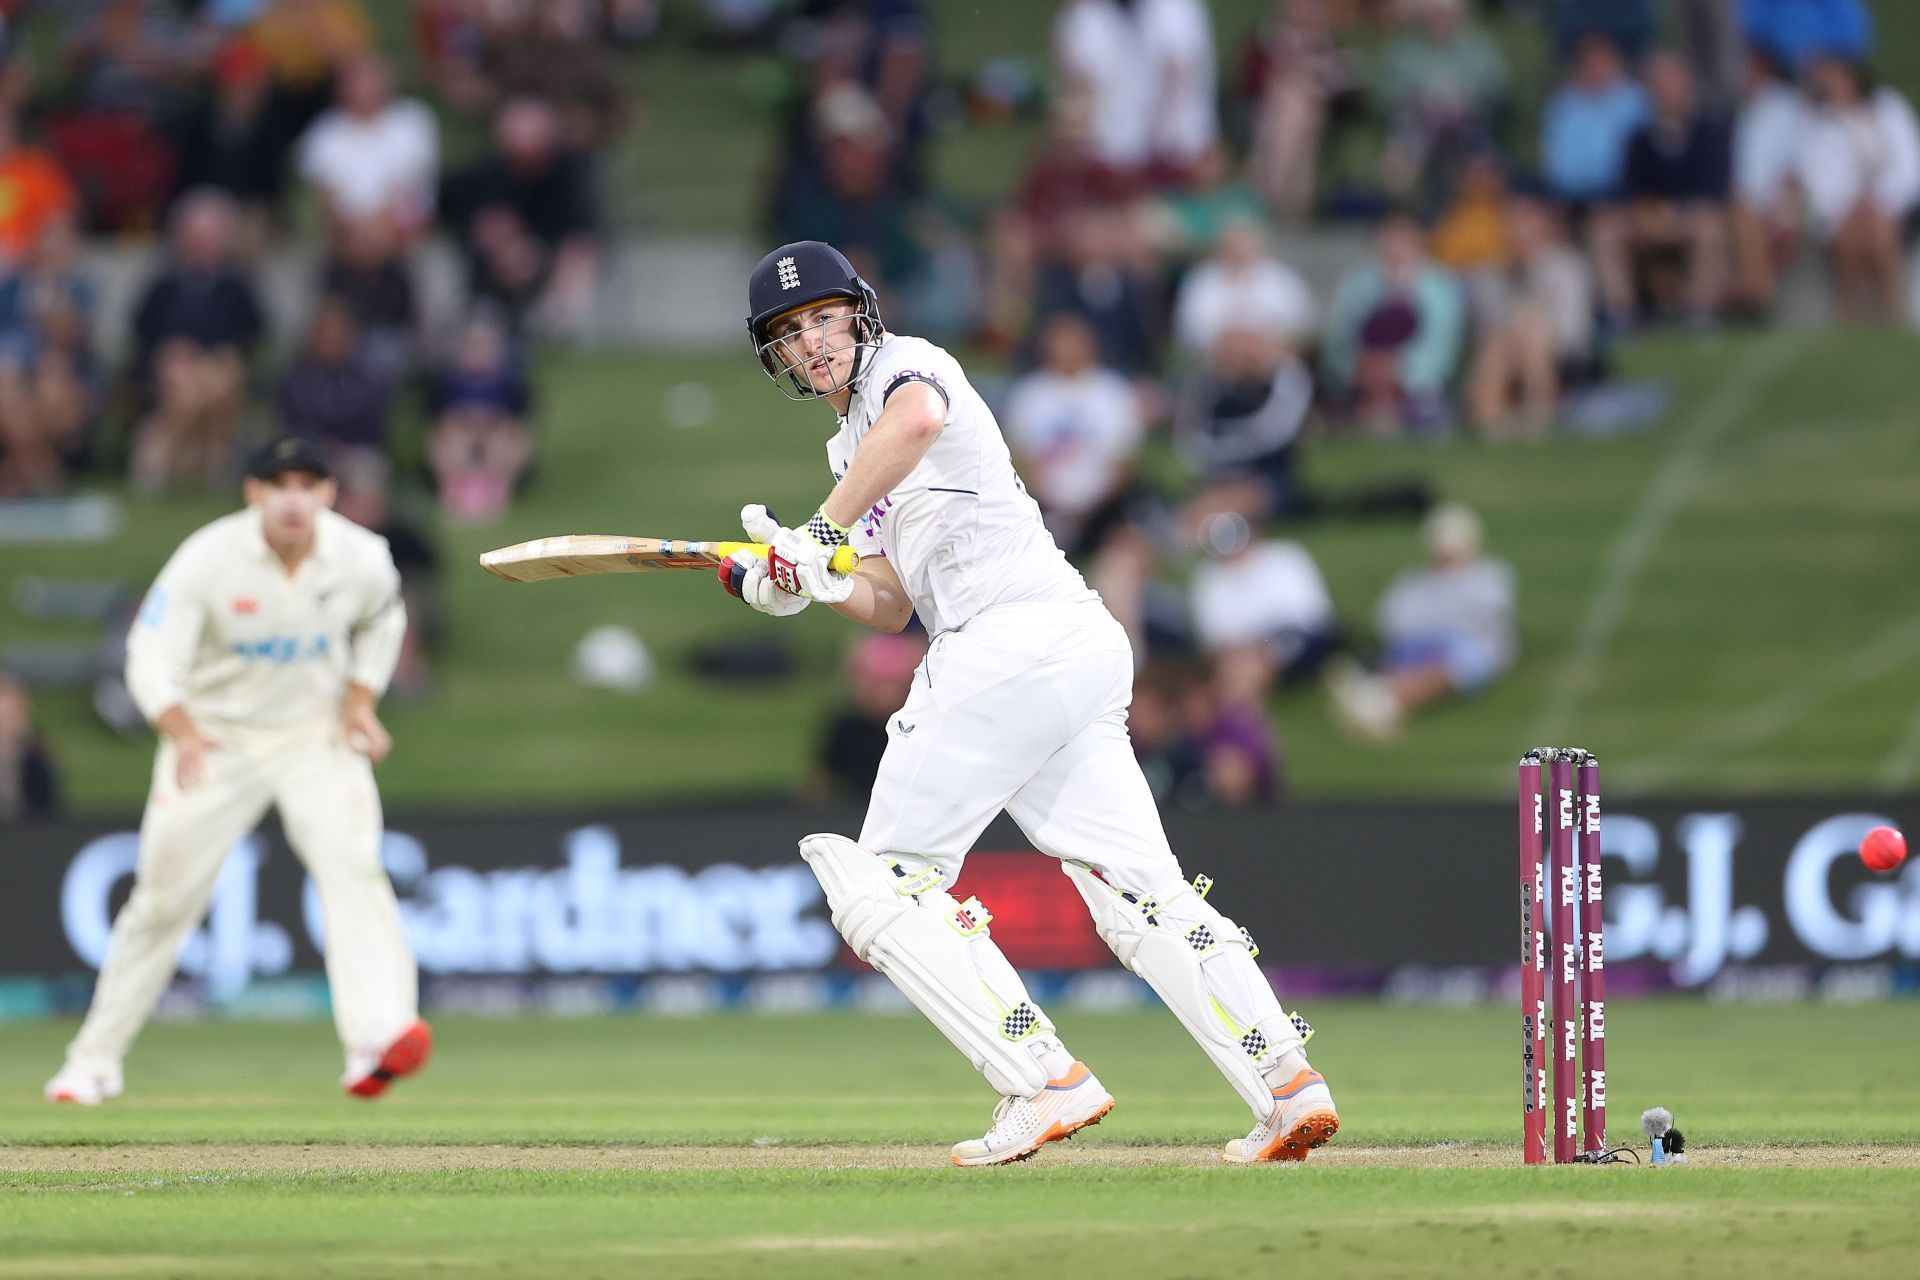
[(1202, 883), (912, 886)]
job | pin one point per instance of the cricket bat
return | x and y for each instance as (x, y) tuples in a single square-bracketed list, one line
[(576, 555)]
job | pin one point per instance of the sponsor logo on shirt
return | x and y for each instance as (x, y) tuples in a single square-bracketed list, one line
[(281, 650)]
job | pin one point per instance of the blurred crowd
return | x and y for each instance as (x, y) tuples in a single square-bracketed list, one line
[(1666, 166), (1498, 225)]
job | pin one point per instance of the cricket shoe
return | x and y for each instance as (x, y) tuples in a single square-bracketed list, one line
[(1303, 1118), (368, 1076), (86, 1088), (1021, 1126)]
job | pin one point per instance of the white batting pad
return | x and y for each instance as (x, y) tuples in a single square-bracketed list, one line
[(1201, 965), (938, 952)]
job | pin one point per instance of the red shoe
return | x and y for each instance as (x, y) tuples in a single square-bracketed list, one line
[(406, 1055)]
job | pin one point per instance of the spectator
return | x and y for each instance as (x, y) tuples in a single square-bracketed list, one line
[(1075, 428), (1241, 286), (1470, 235), (1441, 79), (1534, 325), (479, 441), (1768, 133), (1795, 32), (554, 53), (1860, 167), (1237, 421), (33, 192), (1187, 221), (1261, 610), (1292, 74), (195, 329), (879, 675), (1447, 630), (1675, 185), (852, 202), (328, 394), (1588, 122), (1143, 71), (1239, 757), (364, 271), (1098, 275), (365, 498), (1156, 722), (373, 157), (1625, 24), (526, 216), (231, 142), (49, 384), (1392, 339), (29, 781)]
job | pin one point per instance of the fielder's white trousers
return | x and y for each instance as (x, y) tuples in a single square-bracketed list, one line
[(330, 809), (1023, 709)]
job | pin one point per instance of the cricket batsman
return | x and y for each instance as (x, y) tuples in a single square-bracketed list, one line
[(258, 655), (1020, 704)]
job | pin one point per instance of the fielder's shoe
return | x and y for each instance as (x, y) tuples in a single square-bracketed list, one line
[(368, 1076), (1303, 1118), (85, 1087), (1021, 1126)]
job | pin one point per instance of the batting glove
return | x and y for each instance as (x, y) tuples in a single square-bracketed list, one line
[(798, 559), (744, 574)]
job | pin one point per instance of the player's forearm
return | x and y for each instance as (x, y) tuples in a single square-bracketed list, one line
[(878, 599), (900, 437), (359, 697), (376, 646)]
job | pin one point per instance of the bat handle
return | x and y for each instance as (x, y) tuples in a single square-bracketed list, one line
[(844, 560)]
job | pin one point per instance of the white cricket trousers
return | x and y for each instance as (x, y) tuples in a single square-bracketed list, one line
[(1023, 709), (330, 808)]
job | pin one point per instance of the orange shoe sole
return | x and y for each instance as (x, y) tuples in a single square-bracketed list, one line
[(403, 1057), (1315, 1129), (1054, 1133)]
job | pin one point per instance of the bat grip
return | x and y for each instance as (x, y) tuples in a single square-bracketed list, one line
[(844, 559)]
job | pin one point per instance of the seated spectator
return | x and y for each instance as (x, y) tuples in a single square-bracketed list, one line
[(1237, 421), (1768, 133), (365, 498), (1470, 235), (1156, 723), (1097, 275), (1442, 79), (555, 53), (1628, 25), (1392, 339), (1235, 743), (1075, 428), (328, 393), (1261, 610), (195, 329), (29, 781), (34, 191), (1859, 165), (1584, 132), (1795, 32), (374, 282), (852, 203), (306, 42), (1293, 74), (1241, 286), (231, 142), (1143, 73), (1447, 630), (1675, 187), (879, 676), (526, 217), (49, 382), (1533, 322), (479, 441), (128, 63), (374, 158)]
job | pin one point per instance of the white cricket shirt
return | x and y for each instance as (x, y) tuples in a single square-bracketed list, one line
[(961, 531), (243, 644)]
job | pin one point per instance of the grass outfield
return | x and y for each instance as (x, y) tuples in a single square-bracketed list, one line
[(816, 1146), (1726, 602)]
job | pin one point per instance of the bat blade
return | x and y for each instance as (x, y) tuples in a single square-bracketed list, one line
[(581, 555)]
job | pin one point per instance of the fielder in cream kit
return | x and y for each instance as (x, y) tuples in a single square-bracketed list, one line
[(259, 654), (1020, 704)]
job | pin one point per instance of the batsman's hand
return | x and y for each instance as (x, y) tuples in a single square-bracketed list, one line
[(744, 574), (797, 561)]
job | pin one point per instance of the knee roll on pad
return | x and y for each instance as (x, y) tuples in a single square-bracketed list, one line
[(1201, 966), (938, 952)]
